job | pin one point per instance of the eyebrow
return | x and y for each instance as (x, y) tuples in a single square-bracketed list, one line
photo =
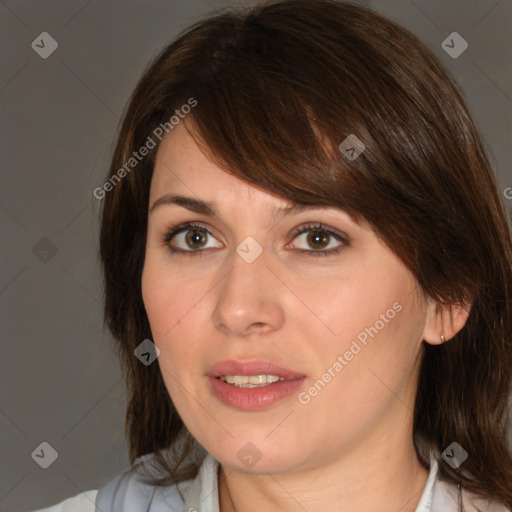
[(207, 208)]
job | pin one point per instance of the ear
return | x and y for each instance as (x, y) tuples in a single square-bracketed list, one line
[(444, 320)]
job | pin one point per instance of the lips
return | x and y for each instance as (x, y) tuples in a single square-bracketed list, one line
[(258, 397), (232, 367)]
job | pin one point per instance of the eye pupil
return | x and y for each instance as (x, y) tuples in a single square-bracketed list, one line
[(318, 239), (195, 238)]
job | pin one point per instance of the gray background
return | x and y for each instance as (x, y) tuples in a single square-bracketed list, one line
[(60, 380)]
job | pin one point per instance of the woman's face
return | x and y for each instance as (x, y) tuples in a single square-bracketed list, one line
[(332, 307)]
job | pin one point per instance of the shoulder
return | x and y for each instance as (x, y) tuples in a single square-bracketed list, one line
[(127, 491), (84, 502), (124, 490)]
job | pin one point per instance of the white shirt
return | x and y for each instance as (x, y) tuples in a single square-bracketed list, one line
[(125, 493)]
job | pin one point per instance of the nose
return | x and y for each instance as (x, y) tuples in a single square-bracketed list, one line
[(247, 299)]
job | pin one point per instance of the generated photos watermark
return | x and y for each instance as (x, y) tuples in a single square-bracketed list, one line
[(158, 133), (304, 397)]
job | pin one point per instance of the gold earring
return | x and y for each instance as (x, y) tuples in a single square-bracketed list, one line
[(442, 338)]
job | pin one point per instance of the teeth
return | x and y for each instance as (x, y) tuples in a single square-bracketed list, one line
[(250, 381)]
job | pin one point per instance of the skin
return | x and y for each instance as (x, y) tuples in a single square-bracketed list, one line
[(349, 448)]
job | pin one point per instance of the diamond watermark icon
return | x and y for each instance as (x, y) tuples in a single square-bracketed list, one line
[(351, 147), (45, 455), (44, 45), (249, 454), (454, 45), (147, 352), (455, 455), (44, 249), (249, 249)]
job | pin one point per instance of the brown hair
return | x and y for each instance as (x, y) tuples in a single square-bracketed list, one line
[(278, 87)]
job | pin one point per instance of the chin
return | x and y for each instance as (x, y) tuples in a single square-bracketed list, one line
[(259, 455)]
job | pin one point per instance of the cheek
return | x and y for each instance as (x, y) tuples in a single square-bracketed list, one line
[(375, 322), (177, 313), (171, 300), (347, 303), (372, 362)]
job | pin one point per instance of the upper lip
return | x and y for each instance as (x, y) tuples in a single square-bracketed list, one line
[(259, 367)]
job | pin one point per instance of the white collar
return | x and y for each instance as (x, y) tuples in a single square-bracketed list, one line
[(425, 503)]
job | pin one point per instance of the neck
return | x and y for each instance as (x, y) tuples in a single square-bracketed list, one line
[(385, 477)]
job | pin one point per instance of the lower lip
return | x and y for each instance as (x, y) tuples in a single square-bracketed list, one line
[(254, 399)]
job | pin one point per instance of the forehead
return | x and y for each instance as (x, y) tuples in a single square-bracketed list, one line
[(181, 165)]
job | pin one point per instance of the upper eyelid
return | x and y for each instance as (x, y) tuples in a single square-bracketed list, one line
[(320, 226)]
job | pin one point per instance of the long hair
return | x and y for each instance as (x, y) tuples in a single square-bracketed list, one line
[(276, 89)]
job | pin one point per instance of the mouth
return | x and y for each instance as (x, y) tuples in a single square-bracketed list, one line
[(253, 385)]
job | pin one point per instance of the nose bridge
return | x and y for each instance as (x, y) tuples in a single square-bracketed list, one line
[(246, 298)]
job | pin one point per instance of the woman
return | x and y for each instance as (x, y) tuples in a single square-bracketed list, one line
[(308, 270)]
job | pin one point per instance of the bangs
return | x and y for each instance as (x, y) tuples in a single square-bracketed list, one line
[(272, 115), (265, 134)]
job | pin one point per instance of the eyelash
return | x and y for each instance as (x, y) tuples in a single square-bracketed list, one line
[(169, 235)]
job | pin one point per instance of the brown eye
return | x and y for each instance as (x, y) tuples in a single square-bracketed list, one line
[(318, 239), (195, 239), (190, 238)]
